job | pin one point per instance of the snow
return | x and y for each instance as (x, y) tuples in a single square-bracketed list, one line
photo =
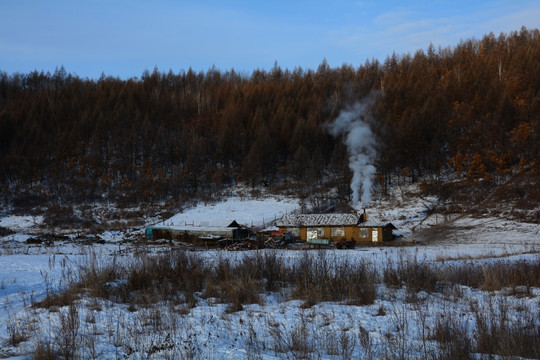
[(18, 222), (250, 212), (209, 331), (330, 330), (295, 220)]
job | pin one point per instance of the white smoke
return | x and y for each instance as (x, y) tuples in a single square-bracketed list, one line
[(360, 142)]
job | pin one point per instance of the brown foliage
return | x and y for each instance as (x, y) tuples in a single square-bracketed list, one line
[(474, 106)]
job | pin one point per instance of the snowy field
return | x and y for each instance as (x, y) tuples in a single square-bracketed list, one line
[(278, 327)]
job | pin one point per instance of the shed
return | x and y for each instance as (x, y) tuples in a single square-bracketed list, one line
[(188, 232)]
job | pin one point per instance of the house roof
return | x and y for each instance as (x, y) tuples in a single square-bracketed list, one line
[(190, 228), (382, 225), (234, 224), (298, 220)]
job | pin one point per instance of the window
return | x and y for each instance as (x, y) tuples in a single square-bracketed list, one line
[(315, 233), (363, 233), (338, 231), (294, 231)]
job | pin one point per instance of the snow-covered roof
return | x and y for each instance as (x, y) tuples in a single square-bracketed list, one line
[(190, 228), (388, 225), (297, 220)]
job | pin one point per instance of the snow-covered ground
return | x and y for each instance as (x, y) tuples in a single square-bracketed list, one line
[(20, 223), (249, 212), (278, 327)]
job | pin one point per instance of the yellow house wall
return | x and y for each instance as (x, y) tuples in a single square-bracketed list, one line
[(350, 232), (380, 235), (303, 233), (359, 239), (327, 232)]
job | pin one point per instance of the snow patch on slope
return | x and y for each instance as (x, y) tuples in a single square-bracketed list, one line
[(20, 223), (251, 212)]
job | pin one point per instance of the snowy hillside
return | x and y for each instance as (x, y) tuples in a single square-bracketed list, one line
[(249, 212), (400, 317)]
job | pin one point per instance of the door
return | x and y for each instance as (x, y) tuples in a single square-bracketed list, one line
[(375, 235)]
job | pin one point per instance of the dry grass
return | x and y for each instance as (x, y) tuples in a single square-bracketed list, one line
[(161, 289), (427, 276), (45, 351), (415, 275), (506, 254), (323, 278), (180, 275), (451, 333), (493, 276), (496, 334)]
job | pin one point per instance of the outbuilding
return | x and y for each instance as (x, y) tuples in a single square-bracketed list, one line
[(192, 232)]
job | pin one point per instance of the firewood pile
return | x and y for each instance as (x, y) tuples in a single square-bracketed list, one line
[(242, 245), (275, 243)]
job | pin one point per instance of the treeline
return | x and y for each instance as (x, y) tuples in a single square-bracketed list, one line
[(474, 108)]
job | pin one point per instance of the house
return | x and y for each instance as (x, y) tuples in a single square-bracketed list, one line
[(192, 232), (334, 227), (321, 226)]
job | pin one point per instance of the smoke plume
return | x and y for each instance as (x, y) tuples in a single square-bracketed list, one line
[(360, 142)]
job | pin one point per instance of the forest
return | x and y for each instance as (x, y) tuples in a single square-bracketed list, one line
[(471, 110)]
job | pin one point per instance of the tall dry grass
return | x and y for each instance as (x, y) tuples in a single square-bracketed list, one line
[(181, 276), (180, 279)]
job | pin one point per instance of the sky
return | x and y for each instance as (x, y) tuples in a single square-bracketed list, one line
[(123, 38)]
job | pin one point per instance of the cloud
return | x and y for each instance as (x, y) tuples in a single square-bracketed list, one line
[(407, 29)]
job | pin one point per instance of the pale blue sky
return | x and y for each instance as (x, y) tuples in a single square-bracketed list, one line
[(125, 37)]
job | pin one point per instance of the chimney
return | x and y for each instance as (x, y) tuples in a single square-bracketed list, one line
[(365, 216)]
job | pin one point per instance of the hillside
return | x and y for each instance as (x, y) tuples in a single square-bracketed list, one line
[(468, 113)]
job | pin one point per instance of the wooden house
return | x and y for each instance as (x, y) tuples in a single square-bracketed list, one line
[(334, 227)]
